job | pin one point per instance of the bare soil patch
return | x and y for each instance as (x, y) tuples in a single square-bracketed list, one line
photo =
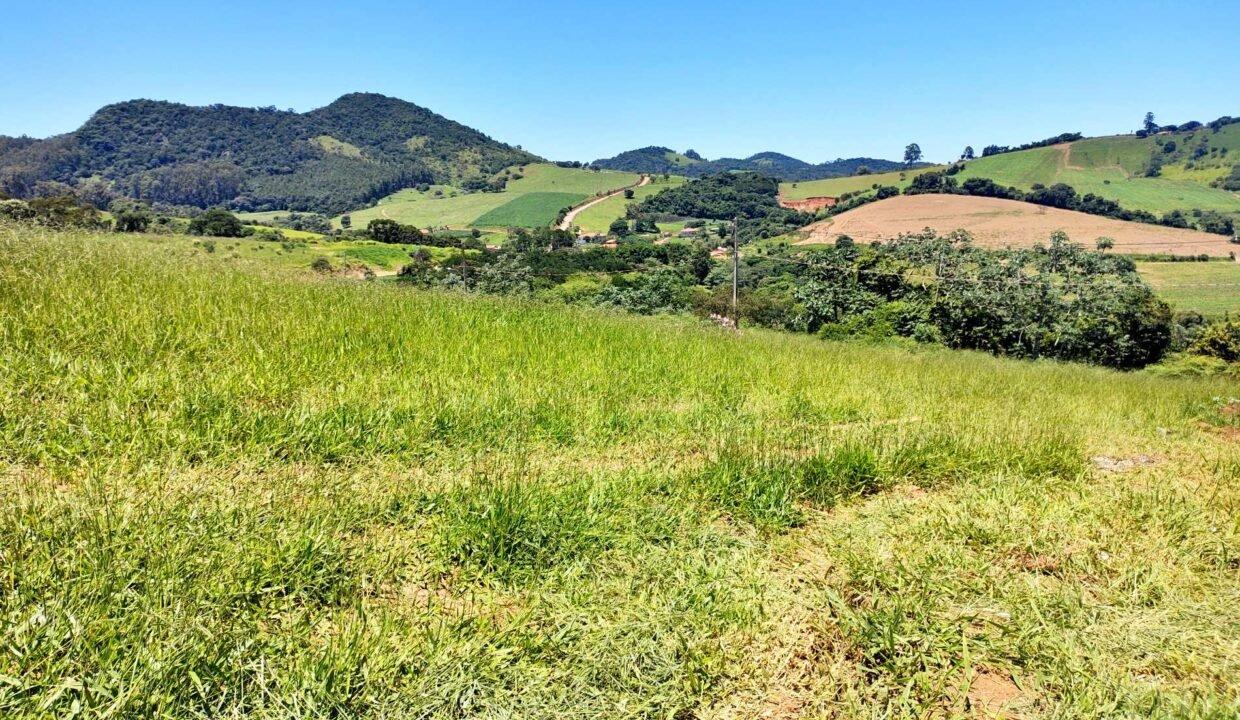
[(994, 695), (997, 223)]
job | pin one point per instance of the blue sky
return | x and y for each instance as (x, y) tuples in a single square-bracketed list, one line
[(577, 80)]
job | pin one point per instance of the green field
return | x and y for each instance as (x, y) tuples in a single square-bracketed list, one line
[(233, 491), (296, 255), (1211, 288), (536, 209), (1110, 167), (598, 218), (425, 209), (834, 187)]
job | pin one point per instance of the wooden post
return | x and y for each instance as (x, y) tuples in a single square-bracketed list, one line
[(736, 264)]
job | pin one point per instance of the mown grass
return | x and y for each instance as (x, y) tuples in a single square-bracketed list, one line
[(531, 210), (1210, 288), (229, 491), (455, 208)]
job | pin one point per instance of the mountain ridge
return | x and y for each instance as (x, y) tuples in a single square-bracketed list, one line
[(330, 159), (660, 159)]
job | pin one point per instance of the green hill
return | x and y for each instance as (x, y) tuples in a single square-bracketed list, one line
[(1189, 176), (360, 147), (834, 187), (1115, 168), (231, 492)]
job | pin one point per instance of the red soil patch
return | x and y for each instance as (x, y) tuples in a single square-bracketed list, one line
[(999, 223), (813, 204), (994, 695)]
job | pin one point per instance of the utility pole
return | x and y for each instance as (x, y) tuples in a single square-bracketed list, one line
[(736, 264)]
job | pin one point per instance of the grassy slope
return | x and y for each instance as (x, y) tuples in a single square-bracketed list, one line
[(530, 210), (1108, 167), (1211, 288), (236, 493), (599, 217), (425, 210), (288, 255), (834, 187)]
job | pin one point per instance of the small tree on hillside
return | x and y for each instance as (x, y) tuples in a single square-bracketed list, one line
[(216, 222), (968, 153), (1105, 243), (912, 153), (619, 227), (1150, 126)]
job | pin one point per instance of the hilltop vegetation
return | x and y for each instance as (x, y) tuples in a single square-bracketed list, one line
[(360, 147), (235, 493), (659, 160)]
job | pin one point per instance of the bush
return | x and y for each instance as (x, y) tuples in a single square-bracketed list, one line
[(1220, 340)]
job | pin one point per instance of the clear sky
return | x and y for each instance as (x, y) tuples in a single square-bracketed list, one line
[(581, 80)]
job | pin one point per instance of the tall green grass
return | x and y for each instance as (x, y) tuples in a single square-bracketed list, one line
[(227, 491)]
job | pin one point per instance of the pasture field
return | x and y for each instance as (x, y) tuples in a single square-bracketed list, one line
[(1110, 167), (294, 255), (425, 209), (598, 218), (1107, 167), (1211, 288), (529, 210), (1009, 223), (542, 177), (834, 187), (234, 491)]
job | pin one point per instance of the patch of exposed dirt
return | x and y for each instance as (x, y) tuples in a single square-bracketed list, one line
[(993, 694), (1121, 465), (997, 223), (1036, 563)]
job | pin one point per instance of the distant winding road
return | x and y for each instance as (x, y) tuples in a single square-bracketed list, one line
[(567, 222)]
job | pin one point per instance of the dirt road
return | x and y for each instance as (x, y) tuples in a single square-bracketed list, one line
[(567, 222)]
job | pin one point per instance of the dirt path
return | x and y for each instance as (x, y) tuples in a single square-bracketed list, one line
[(1065, 160), (567, 222)]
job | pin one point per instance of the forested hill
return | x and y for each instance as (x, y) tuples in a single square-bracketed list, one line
[(332, 159), (656, 159)]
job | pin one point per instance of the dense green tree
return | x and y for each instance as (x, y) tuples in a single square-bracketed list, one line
[(216, 222), (968, 153), (130, 216), (912, 153)]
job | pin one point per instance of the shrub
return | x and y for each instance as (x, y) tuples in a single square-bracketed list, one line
[(1220, 340)]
